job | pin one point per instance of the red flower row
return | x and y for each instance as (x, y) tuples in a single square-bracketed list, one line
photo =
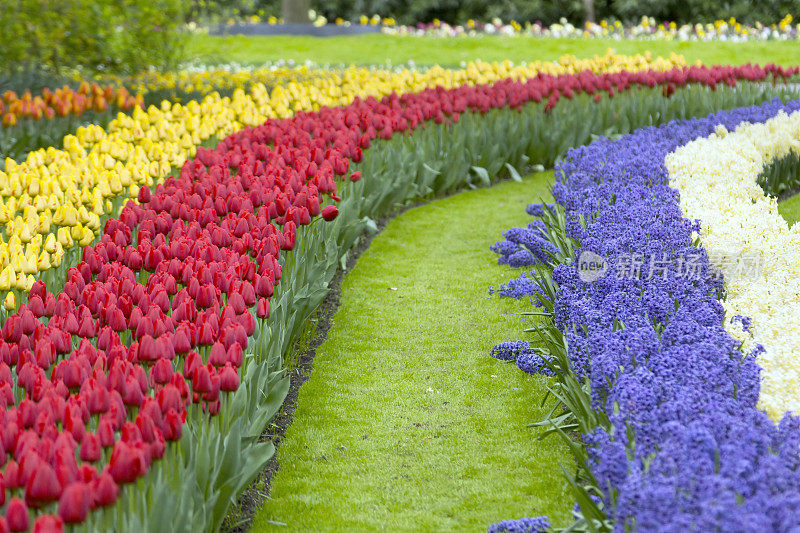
[(95, 381)]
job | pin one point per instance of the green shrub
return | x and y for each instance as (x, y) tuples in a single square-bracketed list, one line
[(100, 35)]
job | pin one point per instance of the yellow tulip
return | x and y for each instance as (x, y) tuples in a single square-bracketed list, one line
[(50, 243), (64, 237), (43, 263), (21, 283), (10, 303), (7, 278)]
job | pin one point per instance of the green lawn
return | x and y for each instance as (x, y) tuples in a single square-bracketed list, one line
[(377, 48), (407, 423), (790, 209)]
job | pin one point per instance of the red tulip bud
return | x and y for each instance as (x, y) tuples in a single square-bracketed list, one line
[(42, 486), (73, 507), (173, 426), (235, 355), (17, 515), (91, 449), (161, 372), (105, 433), (218, 356), (228, 378), (201, 380), (329, 212), (105, 490), (48, 524), (127, 463)]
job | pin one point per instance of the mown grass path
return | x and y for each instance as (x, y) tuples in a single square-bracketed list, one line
[(377, 48), (406, 422), (789, 209)]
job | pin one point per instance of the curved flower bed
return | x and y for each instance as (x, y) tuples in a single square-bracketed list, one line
[(69, 193), (718, 180), (164, 321), (675, 438), (155, 321)]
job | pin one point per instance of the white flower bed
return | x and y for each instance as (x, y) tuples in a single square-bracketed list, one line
[(717, 178)]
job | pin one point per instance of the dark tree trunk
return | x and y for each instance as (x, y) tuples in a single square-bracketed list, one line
[(295, 11), (588, 10)]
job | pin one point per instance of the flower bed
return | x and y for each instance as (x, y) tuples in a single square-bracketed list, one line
[(647, 28), (64, 101), (718, 178), (99, 168), (176, 314), (666, 399)]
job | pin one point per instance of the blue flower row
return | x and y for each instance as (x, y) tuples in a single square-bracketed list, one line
[(687, 448)]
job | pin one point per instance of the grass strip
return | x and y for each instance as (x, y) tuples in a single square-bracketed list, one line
[(406, 423), (789, 209), (380, 49)]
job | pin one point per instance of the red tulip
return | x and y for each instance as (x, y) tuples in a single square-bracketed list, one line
[(11, 475), (48, 524), (228, 378), (73, 506), (262, 309), (105, 433), (91, 449), (105, 490), (173, 426), (235, 355), (170, 397), (42, 486), (127, 463), (218, 355), (87, 473), (329, 212), (161, 372), (17, 515), (201, 380)]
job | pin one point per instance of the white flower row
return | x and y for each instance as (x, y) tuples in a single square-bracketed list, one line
[(717, 179)]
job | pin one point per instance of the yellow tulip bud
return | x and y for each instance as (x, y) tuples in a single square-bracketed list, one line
[(50, 243), (87, 237), (83, 215), (76, 231), (10, 303), (21, 282), (7, 278), (43, 263), (64, 238), (26, 235)]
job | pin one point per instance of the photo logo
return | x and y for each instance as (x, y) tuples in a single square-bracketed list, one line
[(591, 266)]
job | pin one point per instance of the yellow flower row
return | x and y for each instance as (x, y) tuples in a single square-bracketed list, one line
[(208, 81), (57, 199)]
